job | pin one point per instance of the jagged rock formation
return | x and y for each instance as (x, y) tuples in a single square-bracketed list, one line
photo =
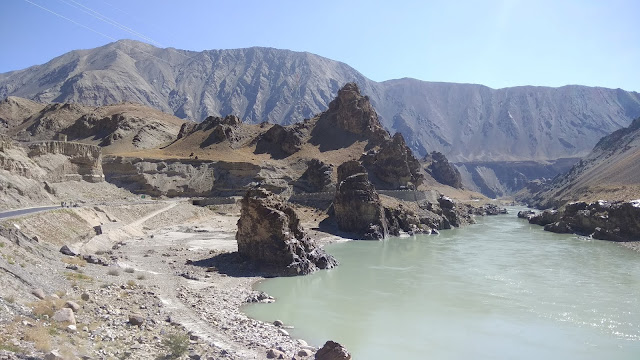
[(317, 177), (611, 171), (617, 221), (544, 218), (220, 129), (394, 164), (281, 141), (357, 206), (269, 233), (437, 165)]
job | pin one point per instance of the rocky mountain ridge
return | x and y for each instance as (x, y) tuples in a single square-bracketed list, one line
[(610, 172), (464, 122)]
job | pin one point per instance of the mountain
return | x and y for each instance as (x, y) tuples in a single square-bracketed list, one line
[(610, 172), (116, 128), (465, 122)]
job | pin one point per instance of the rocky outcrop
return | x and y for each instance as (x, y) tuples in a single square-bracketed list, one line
[(317, 178), (332, 350), (269, 233), (618, 221), (394, 164), (437, 165), (526, 214), (280, 141), (357, 206), (78, 159), (188, 177), (352, 112), (222, 129), (454, 214), (544, 218)]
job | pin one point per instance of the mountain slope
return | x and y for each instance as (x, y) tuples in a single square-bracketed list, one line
[(116, 128), (610, 172), (464, 122)]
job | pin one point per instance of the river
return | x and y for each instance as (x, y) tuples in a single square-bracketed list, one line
[(499, 289)]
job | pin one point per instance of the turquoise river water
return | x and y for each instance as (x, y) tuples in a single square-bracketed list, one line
[(500, 289)]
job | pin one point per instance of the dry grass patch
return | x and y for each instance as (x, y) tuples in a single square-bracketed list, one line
[(46, 306), (40, 337), (76, 276)]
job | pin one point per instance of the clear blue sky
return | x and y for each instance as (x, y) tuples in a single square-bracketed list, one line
[(497, 43)]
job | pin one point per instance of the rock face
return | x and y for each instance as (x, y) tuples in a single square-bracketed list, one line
[(79, 160), (394, 164), (269, 233), (437, 165), (618, 221), (317, 177), (190, 177), (357, 205), (280, 141), (332, 350)]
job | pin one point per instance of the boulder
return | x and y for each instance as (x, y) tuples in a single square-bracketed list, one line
[(544, 218), (65, 315), (72, 305), (269, 233), (39, 293), (357, 205), (136, 319), (275, 354), (526, 214), (332, 351)]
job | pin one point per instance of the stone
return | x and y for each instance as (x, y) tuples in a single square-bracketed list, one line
[(526, 214), (72, 328), (72, 305), (39, 293), (332, 351), (278, 323), (305, 352), (357, 206), (53, 355), (136, 319), (66, 250), (545, 217), (283, 332), (270, 234), (84, 297), (301, 342), (280, 141), (64, 315), (275, 354)]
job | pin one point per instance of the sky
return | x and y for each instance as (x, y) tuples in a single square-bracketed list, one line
[(498, 43)]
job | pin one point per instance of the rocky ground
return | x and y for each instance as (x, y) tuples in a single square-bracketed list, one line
[(174, 292)]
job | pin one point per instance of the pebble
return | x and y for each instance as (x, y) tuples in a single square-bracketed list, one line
[(283, 332)]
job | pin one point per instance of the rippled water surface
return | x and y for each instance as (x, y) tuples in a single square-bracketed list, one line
[(501, 289)]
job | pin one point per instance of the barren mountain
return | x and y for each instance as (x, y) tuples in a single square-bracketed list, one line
[(610, 172), (464, 122), (116, 128)]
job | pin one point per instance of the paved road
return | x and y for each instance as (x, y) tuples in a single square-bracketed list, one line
[(19, 212)]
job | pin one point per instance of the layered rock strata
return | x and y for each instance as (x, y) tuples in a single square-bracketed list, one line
[(270, 234)]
